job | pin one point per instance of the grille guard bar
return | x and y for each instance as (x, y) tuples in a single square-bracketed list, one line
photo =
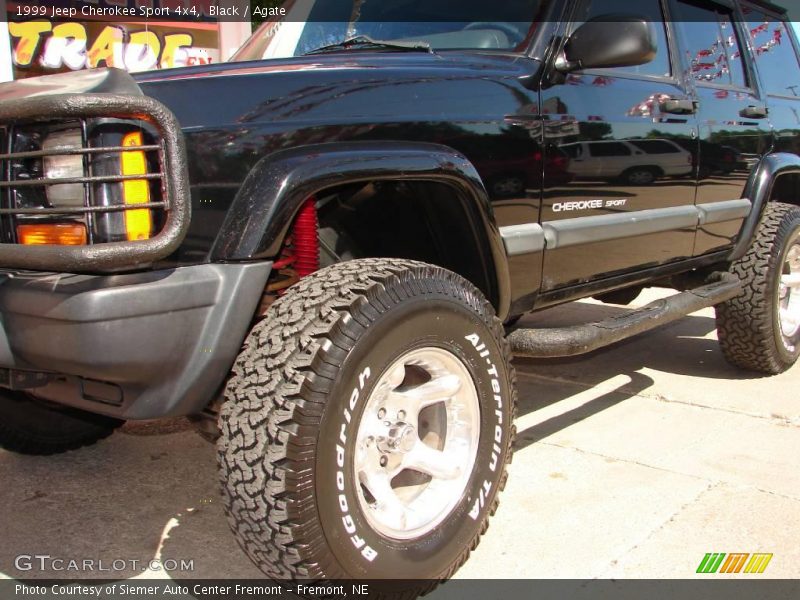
[(112, 256)]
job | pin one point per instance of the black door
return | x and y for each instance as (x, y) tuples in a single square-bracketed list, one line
[(776, 58), (629, 139), (734, 128)]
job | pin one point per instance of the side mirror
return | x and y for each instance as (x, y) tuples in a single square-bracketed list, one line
[(609, 41)]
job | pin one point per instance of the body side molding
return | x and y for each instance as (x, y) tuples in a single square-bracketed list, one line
[(598, 228), (525, 238), (727, 210)]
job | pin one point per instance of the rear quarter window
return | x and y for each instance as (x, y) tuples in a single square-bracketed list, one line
[(776, 58), (711, 43)]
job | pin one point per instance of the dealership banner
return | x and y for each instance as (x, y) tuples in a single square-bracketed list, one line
[(57, 36), (43, 46)]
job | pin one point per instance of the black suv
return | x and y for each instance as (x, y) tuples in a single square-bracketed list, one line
[(318, 251)]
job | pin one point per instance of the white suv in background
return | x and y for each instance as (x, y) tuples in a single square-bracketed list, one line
[(636, 162)]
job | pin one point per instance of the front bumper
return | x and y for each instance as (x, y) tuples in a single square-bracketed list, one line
[(135, 346)]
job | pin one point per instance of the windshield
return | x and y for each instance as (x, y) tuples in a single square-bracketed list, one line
[(442, 24)]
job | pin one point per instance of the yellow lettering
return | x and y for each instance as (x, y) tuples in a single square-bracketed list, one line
[(107, 48), (29, 33), (171, 57), (142, 51)]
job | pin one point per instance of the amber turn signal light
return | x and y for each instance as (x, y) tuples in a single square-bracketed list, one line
[(56, 234), (138, 222)]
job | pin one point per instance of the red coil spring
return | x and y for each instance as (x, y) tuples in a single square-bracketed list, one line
[(305, 239)]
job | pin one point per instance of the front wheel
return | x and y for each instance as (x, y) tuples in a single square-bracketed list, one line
[(32, 426), (759, 330), (368, 424)]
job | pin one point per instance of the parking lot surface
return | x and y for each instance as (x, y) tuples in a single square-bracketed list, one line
[(632, 462)]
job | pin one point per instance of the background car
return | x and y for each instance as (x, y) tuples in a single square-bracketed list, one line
[(636, 162)]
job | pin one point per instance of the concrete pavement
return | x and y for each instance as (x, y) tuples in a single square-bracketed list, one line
[(637, 460), (632, 462)]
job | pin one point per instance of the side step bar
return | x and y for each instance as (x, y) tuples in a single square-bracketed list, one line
[(580, 339)]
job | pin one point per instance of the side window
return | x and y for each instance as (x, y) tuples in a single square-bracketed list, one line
[(775, 55), (655, 146), (711, 43), (650, 10), (609, 149)]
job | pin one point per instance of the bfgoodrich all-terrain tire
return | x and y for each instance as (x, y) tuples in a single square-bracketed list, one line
[(759, 330), (368, 424), (31, 426)]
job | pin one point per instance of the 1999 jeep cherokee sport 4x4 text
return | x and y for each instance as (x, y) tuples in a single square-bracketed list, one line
[(318, 254)]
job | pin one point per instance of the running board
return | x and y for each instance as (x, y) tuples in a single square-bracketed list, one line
[(580, 339)]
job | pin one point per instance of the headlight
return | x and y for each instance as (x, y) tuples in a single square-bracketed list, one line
[(110, 162), (64, 165)]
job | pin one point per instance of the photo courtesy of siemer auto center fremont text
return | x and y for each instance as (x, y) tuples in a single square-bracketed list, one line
[(342, 299)]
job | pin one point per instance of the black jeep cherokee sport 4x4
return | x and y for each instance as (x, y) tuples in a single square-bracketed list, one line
[(319, 253)]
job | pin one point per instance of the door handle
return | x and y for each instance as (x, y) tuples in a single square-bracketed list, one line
[(679, 106), (754, 112)]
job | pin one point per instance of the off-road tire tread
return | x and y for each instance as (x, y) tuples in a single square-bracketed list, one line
[(745, 323), (275, 399)]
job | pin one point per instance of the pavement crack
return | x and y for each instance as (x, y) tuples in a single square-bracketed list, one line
[(629, 461), (773, 418), (615, 561), (776, 494)]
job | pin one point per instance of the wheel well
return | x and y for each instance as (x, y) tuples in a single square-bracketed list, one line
[(786, 188), (419, 220)]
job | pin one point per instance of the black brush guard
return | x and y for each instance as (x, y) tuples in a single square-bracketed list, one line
[(173, 176)]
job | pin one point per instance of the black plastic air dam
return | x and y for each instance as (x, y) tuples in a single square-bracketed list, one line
[(164, 340), (580, 339)]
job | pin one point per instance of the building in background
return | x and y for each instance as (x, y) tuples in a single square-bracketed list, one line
[(40, 46)]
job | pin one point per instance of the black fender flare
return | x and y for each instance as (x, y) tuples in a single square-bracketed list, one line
[(758, 190), (274, 190)]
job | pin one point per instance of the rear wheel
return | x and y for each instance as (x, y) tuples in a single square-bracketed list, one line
[(368, 424), (32, 426), (759, 330), (639, 176), (507, 185)]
